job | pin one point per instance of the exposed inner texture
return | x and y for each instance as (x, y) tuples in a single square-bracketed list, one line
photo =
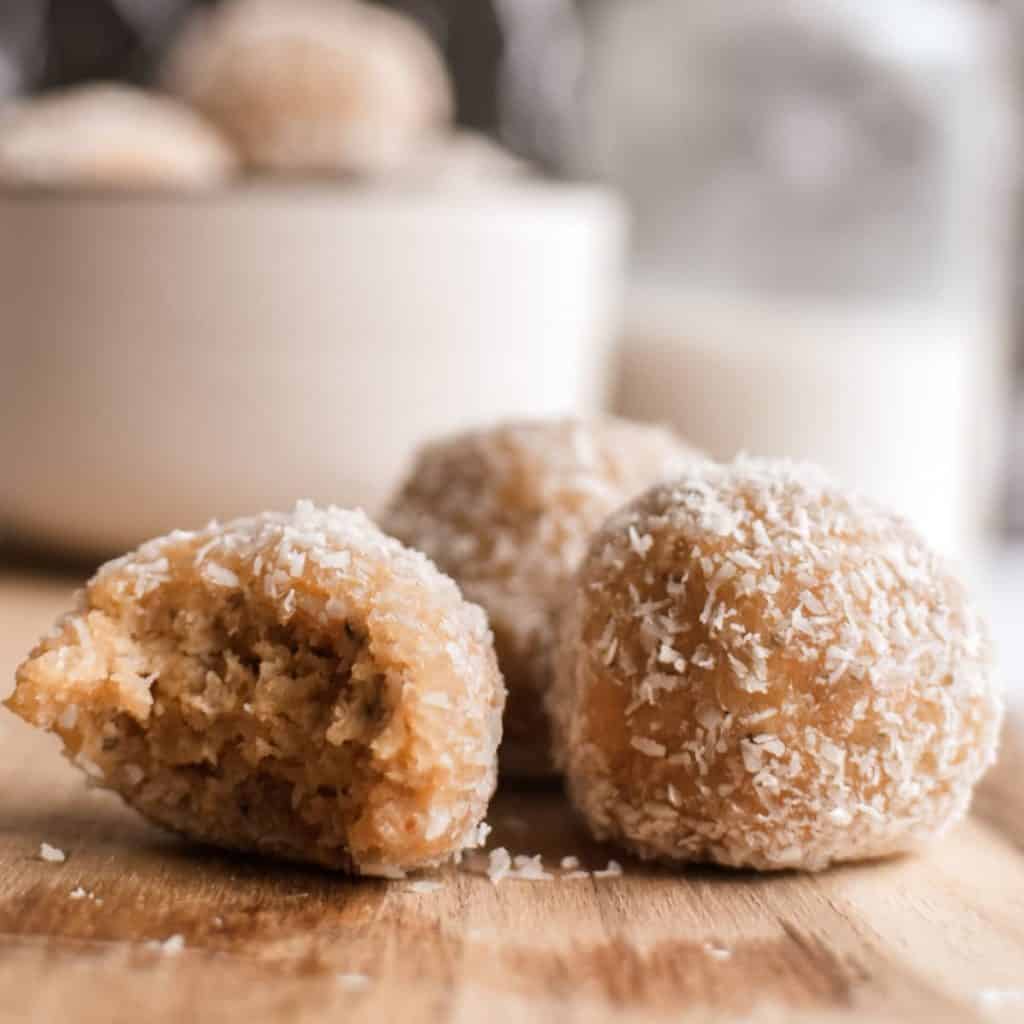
[(259, 730)]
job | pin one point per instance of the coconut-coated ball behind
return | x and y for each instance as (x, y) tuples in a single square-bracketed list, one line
[(762, 670), (508, 511), (314, 86)]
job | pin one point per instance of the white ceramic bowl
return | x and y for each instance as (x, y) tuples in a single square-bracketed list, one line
[(166, 359)]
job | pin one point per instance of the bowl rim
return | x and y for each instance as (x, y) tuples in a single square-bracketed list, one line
[(489, 195)]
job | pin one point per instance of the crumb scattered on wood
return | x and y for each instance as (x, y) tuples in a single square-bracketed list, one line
[(353, 981), (423, 886), (716, 951), (78, 893), (171, 946), (523, 867), (613, 870)]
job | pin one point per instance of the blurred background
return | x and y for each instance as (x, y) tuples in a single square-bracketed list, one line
[(784, 227)]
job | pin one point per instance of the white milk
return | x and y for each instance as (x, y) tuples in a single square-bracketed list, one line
[(903, 404)]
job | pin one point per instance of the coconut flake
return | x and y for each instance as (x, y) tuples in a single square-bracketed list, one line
[(652, 748), (220, 575), (423, 886), (613, 870), (499, 864)]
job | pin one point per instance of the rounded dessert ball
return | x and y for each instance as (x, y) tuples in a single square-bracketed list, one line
[(299, 685), (308, 86), (110, 136), (762, 670), (508, 511), (459, 160)]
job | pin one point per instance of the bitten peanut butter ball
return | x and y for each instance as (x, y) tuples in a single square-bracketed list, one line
[(508, 512), (113, 137), (299, 685), (762, 670), (314, 86)]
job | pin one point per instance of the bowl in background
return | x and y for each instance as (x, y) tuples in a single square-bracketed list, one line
[(168, 359)]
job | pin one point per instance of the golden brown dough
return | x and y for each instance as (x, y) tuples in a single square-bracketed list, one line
[(508, 511), (762, 670), (301, 685)]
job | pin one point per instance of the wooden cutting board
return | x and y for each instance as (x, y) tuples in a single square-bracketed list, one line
[(932, 938)]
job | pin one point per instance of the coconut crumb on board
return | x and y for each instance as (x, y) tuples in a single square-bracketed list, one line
[(522, 867), (499, 863), (423, 886), (78, 893), (717, 951), (530, 868), (52, 854), (171, 946), (572, 870), (353, 981)]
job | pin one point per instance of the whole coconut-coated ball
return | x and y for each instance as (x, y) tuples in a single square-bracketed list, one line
[(763, 670)]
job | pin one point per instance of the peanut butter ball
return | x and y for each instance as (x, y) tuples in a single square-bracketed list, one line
[(299, 685), (508, 512), (314, 86), (762, 670)]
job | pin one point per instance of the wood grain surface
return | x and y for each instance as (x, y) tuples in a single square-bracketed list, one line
[(938, 937)]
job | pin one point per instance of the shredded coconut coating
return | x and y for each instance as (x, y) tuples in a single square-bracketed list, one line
[(508, 512), (301, 685), (110, 136), (312, 86), (761, 670)]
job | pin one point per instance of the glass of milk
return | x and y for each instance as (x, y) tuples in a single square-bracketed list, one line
[(822, 204)]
